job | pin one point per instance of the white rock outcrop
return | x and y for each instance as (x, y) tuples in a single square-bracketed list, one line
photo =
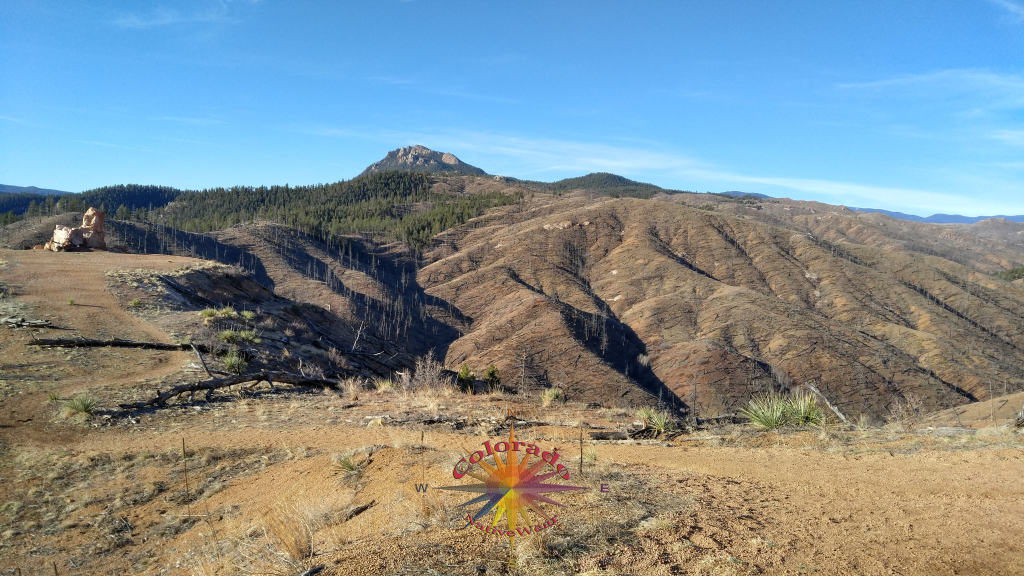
[(88, 235)]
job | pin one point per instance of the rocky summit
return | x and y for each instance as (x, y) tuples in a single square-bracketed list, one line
[(422, 159)]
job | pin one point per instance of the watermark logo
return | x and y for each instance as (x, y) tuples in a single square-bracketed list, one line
[(513, 488)]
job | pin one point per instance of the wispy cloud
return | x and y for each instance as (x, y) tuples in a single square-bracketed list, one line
[(551, 158), (192, 121), (957, 105), (1014, 9), (998, 90), (535, 155), (1015, 137), (9, 119), (119, 146), (460, 93), (850, 192), (214, 11)]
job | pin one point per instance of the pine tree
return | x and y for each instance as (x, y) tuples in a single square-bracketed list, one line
[(492, 378), (466, 378)]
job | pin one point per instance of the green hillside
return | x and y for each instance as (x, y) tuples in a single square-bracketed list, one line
[(1011, 275), (395, 205), (602, 183), (126, 197)]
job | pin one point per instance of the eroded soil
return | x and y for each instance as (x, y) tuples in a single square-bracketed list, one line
[(115, 496)]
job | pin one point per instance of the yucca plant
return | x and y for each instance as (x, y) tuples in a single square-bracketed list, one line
[(803, 410), (209, 313), (768, 411), (659, 421), (248, 315), (344, 464), (229, 336), (645, 414), (84, 405)]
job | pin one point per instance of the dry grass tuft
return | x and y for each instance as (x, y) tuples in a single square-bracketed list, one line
[(550, 395), (352, 387), (292, 531)]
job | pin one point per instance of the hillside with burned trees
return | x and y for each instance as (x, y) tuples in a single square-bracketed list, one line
[(619, 301)]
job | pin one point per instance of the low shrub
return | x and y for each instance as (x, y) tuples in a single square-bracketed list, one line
[(135, 303), (209, 313), (248, 315), (235, 362)]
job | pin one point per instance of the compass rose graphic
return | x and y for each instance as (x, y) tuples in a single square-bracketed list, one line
[(514, 487)]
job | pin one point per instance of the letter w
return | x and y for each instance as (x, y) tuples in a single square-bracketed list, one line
[(522, 531), (422, 487)]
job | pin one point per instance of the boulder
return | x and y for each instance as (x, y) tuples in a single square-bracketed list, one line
[(88, 235)]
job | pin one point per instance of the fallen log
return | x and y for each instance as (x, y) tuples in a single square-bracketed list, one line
[(612, 435), (271, 377), (116, 343), (194, 296), (352, 512), (13, 322)]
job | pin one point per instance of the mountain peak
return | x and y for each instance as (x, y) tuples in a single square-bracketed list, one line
[(422, 159)]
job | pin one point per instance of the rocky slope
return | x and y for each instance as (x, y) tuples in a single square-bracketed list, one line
[(988, 246), (421, 159)]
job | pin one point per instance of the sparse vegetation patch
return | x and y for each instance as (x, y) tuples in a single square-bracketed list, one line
[(81, 405), (773, 411)]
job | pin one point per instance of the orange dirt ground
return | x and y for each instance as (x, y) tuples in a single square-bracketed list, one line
[(874, 502)]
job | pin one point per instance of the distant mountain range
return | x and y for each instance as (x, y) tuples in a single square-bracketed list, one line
[(937, 218), (422, 159), (7, 188), (736, 194)]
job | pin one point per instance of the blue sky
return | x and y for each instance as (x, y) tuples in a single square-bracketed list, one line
[(911, 106)]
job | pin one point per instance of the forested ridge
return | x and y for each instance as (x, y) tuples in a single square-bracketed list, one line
[(129, 197), (397, 205), (603, 183)]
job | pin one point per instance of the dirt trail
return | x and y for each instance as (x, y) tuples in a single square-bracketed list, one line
[(42, 283), (932, 512)]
